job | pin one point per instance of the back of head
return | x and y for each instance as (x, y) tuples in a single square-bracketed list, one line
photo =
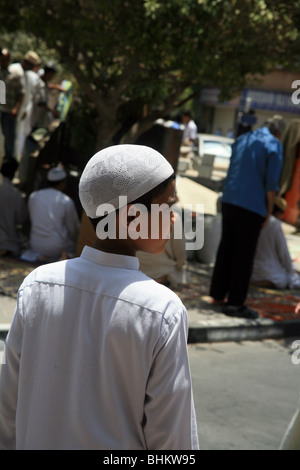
[(50, 67), (32, 58), (129, 171), (276, 124), (186, 114), (56, 175)]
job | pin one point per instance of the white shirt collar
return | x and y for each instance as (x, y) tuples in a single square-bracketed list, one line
[(110, 259)]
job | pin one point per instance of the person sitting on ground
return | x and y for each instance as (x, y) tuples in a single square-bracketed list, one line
[(13, 211), (96, 357), (273, 265), (54, 221)]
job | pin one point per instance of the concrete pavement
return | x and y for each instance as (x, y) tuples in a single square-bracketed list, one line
[(7, 306)]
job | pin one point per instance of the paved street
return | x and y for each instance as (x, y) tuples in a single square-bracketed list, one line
[(245, 393)]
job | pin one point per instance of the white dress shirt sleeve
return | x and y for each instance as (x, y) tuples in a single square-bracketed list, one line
[(169, 389)]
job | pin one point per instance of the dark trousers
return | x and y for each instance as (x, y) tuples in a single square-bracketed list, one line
[(8, 124), (234, 261)]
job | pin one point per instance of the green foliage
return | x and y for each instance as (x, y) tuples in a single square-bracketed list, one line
[(128, 54), (20, 42)]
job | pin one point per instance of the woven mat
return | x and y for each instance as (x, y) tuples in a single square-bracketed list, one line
[(279, 305)]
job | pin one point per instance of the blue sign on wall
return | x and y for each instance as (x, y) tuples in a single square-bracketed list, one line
[(271, 100)]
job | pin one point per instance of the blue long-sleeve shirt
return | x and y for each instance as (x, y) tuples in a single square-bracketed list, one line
[(255, 168)]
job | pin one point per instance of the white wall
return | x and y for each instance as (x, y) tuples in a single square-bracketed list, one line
[(223, 118)]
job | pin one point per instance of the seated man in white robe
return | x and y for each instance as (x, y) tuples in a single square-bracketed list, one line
[(54, 221), (273, 266)]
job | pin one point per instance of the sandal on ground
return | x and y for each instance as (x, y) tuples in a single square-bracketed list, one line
[(240, 312)]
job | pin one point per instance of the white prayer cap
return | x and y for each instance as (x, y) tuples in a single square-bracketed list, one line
[(56, 174), (121, 170)]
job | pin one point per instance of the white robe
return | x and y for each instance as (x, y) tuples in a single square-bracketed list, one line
[(96, 358), (54, 223), (272, 260), (30, 82)]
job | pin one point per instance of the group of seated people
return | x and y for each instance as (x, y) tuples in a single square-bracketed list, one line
[(49, 214), (55, 231)]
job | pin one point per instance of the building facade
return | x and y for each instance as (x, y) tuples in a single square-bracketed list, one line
[(274, 93)]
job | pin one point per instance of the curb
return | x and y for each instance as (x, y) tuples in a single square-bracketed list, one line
[(252, 331), (4, 327)]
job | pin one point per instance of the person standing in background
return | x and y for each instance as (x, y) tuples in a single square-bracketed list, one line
[(190, 130), (9, 111), (29, 78), (247, 204)]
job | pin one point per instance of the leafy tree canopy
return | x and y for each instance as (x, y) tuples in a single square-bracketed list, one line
[(132, 55)]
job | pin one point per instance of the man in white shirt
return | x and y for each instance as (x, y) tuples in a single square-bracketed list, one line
[(96, 357), (190, 130), (30, 79), (54, 220), (189, 135)]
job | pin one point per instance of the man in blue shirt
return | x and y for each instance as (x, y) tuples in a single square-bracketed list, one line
[(248, 198)]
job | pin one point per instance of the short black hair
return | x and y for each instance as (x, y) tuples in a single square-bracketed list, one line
[(50, 67), (145, 199)]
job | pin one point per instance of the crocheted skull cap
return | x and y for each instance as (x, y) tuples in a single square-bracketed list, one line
[(56, 174), (121, 170)]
